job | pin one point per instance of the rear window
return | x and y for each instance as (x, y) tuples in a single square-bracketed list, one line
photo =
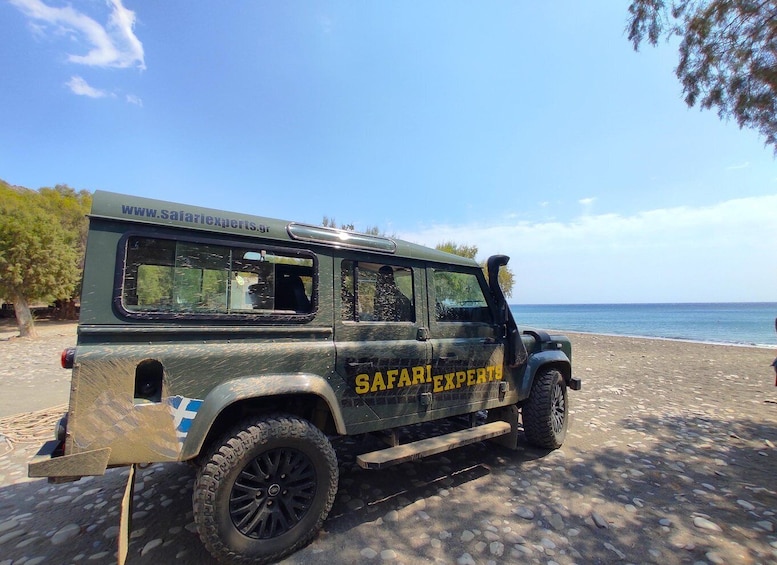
[(166, 277)]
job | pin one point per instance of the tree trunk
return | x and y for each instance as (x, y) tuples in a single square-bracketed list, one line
[(69, 311), (24, 319)]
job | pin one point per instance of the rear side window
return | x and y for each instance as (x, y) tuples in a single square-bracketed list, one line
[(376, 292), (172, 277)]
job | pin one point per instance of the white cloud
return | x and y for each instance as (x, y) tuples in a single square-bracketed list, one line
[(112, 44), (79, 86), (132, 99), (744, 165), (586, 201), (723, 252)]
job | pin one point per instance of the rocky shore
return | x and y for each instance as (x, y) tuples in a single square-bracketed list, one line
[(670, 459)]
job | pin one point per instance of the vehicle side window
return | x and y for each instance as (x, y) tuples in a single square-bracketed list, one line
[(166, 276), (376, 292), (459, 298)]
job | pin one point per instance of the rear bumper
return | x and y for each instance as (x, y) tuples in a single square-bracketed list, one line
[(50, 461)]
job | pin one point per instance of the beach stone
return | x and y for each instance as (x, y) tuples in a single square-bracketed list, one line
[(615, 550), (66, 534), (765, 525), (29, 541), (150, 545), (465, 559), (355, 504), (496, 548), (745, 504), (13, 534), (520, 551), (391, 516), (705, 524), (600, 521), (514, 538), (8, 525), (524, 513), (467, 536), (388, 555), (556, 521), (368, 553)]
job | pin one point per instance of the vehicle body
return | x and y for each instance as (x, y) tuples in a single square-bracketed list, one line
[(244, 343)]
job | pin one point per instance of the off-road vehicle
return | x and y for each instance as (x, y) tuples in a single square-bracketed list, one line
[(246, 345)]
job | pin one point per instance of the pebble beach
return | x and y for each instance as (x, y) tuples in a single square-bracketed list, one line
[(670, 459)]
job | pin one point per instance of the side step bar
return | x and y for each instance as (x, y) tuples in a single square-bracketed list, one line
[(431, 446)]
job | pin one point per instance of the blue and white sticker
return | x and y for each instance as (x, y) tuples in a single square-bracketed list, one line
[(184, 410)]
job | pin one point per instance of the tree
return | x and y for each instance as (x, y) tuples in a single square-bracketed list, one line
[(332, 223), (70, 208), (36, 261), (728, 54), (506, 277)]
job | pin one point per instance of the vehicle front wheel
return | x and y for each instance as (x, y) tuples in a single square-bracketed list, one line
[(265, 490), (546, 412)]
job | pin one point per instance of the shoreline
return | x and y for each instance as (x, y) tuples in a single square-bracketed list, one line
[(9, 331), (673, 339)]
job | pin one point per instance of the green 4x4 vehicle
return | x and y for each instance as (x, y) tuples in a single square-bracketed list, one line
[(247, 345)]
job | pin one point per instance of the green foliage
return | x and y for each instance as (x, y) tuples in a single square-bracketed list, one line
[(469, 251), (36, 260), (506, 277), (71, 208), (328, 222), (332, 223), (155, 283), (728, 54), (42, 247)]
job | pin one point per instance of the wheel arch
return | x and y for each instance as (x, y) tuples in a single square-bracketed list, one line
[(308, 396), (545, 360)]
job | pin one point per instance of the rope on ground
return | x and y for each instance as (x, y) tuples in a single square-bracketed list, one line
[(30, 427)]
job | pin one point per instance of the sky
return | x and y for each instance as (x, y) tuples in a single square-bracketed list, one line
[(531, 129)]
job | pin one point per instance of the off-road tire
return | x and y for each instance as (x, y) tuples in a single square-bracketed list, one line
[(264, 490), (546, 412)]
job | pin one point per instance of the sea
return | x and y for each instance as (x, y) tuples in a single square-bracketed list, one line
[(737, 323)]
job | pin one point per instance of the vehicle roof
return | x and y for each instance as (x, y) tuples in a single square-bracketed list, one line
[(125, 208)]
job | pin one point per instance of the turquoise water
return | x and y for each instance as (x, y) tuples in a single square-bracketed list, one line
[(733, 323)]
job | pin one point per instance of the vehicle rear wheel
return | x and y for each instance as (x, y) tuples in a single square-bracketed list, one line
[(546, 412), (265, 490)]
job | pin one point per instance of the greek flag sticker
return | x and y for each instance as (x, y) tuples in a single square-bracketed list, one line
[(183, 410)]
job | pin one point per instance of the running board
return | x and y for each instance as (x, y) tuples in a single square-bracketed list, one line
[(431, 446)]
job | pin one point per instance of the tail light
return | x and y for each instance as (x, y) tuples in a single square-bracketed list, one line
[(68, 355)]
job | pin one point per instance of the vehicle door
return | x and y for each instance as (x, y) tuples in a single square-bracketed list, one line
[(467, 344), (380, 338)]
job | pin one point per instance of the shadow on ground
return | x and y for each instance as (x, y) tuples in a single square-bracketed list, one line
[(689, 489)]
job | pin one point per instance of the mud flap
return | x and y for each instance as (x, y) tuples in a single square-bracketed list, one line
[(125, 522)]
